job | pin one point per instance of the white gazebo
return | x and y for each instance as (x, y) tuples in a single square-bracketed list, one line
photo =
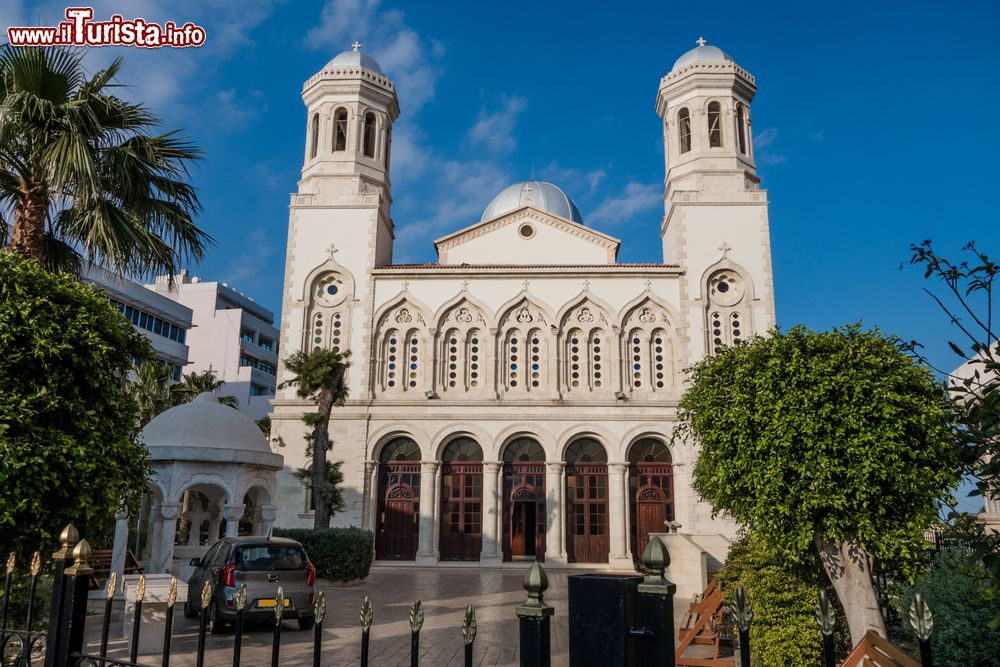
[(213, 449)]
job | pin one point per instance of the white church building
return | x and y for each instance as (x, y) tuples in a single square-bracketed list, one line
[(515, 399)]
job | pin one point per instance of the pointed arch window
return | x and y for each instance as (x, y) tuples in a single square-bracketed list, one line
[(369, 138), (340, 130), (388, 145), (728, 319), (314, 139), (684, 129), (715, 125), (741, 131)]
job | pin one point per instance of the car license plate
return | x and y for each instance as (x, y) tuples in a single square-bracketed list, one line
[(271, 603)]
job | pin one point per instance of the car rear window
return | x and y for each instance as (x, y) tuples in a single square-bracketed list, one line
[(256, 557)]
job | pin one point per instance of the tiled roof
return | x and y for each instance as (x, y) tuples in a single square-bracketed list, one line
[(460, 267)]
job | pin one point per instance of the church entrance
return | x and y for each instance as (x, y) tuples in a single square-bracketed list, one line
[(651, 498), (397, 525), (587, 502), (462, 500), (524, 501)]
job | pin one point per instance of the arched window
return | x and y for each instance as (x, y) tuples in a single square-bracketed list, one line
[(392, 355), (388, 145), (715, 125), (684, 129), (400, 449), (340, 130), (462, 449), (586, 450), (727, 318), (522, 450), (741, 131), (314, 140), (369, 139)]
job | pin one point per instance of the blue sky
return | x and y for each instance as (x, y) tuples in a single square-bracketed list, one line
[(873, 122)]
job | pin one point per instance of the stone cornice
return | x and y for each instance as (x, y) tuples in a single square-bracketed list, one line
[(516, 271), (527, 213)]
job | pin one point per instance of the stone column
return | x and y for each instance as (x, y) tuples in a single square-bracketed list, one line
[(369, 503), (491, 514), (617, 513), (428, 508), (120, 545), (214, 523), (193, 519), (436, 542), (268, 513), (554, 550), (232, 514), (163, 555)]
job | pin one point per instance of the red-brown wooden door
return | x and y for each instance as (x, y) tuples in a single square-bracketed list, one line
[(461, 511), (651, 503), (397, 526), (524, 511), (587, 513)]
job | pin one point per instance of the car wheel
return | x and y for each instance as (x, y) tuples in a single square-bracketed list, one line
[(189, 611), (306, 622), (218, 625)]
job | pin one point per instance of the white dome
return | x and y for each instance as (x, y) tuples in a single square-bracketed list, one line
[(355, 59), (208, 426), (543, 196), (703, 53)]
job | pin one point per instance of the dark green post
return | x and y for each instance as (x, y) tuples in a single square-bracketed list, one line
[(656, 597), (534, 616)]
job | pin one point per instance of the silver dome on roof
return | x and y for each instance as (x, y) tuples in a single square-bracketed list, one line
[(355, 58), (543, 196), (703, 53)]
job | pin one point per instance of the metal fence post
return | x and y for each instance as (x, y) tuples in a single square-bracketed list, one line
[(827, 621), (416, 622), (241, 607), (743, 617), (206, 599), (140, 593), (319, 612), (108, 603), (534, 616), (469, 633), (77, 590), (656, 597), (58, 612), (922, 621), (279, 611), (168, 624), (366, 618)]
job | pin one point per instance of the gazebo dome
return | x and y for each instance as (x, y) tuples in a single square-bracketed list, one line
[(207, 430)]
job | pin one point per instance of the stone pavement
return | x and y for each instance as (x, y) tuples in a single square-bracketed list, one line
[(444, 592)]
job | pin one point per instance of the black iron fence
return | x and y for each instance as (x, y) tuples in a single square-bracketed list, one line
[(641, 635)]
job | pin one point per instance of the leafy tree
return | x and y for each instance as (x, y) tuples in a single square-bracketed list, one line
[(68, 427), (975, 385), (319, 377), (83, 172), (150, 389), (955, 589), (195, 383), (834, 441)]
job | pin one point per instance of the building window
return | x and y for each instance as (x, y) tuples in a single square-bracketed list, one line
[(314, 142), (246, 335), (340, 130), (392, 363), (369, 143), (265, 344), (388, 145), (514, 359), (715, 125), (684, 129), (727, 316), (741, 128)]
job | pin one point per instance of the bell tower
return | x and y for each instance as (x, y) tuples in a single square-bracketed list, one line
[(715, 222)]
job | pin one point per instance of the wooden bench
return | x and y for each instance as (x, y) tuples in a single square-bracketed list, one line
[(101, 562)]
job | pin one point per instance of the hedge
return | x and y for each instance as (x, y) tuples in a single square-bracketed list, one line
[(339, 554)]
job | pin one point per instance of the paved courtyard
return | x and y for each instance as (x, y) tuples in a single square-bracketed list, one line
[(444, 592)]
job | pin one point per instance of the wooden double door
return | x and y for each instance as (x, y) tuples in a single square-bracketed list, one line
[(398, 525), (524, 511), (651, 502), (587, 532), (461, 511)]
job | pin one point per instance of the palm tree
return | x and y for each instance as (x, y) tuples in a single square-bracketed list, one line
[(319, 376), (195, 383), (83, 173), (151, 390)]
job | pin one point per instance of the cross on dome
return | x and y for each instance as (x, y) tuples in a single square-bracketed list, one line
[(356, 45), (699, 42)]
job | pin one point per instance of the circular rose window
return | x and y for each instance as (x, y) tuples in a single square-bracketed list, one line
[(526, 231)]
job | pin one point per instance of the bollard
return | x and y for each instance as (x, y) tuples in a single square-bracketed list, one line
[(656, 597), (534, 620), (743, 617), (827, 621)]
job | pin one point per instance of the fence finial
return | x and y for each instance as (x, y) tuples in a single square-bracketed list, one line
[(921, 617), (536, 583), (655, 558), (206, 595), (112, 587), (11, 563), (36, 564), (742, 610), (81, 557), (172, 592), (469, 627), (319, 609), (140, 589), (67, 540), (416, 616), (241, 598), (825, 616), (279, 604), (367, 614)]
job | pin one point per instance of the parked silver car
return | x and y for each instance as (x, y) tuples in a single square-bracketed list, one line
[(262, 564)]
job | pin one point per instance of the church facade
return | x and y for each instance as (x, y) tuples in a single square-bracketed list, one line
[(515, 400)]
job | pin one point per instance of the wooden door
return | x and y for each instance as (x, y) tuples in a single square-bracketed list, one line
[(524, 510), (587, 513), (397, 528), (651, 515), (461, 511), (399, 538)]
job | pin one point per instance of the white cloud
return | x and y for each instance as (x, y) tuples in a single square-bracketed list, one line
[(408, 59), (637, 198), (762, 142), (573, 181), (495, 130)]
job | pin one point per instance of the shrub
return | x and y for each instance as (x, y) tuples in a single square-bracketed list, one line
[(955, 590), (340, 554), (783, 595)]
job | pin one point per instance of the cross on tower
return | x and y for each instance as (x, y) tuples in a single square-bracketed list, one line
[(724, 248), (406, 285), (524, 286), (356, 45), (700, 42), (331, 249), (465, 285), (586, 285)]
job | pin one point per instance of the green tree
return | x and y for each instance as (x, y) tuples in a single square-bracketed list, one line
[(68, 450), (150, 389), (195, 383), (83, 172), (319, 377), (834, 441)]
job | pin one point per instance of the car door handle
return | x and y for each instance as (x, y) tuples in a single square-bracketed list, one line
[(271, 578)]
